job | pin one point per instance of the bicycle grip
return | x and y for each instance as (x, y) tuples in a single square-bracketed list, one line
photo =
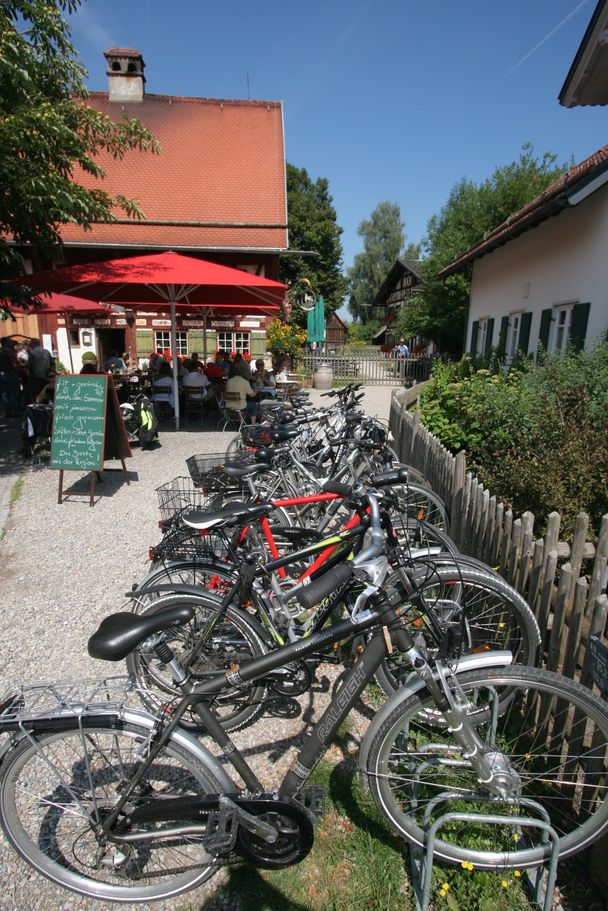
[(329, 581), (390, 477)]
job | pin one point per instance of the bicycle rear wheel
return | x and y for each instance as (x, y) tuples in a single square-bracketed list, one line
[(58, 788), (229, 641), (549, 741)]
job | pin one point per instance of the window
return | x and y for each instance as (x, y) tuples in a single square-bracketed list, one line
[(480, 347), (74, 337), (162, 341), (233, 341), (513, 335), (563, 321)]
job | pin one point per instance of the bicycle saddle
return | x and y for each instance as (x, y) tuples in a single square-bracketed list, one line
[(285, 433), (244, 469), (232, 514), (120, 633)]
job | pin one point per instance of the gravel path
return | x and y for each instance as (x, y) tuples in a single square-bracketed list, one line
[(64, 568)]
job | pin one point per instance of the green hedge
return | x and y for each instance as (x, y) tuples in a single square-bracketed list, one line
[(537, 437)]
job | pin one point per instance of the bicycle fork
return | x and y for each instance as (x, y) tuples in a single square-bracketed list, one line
[(493, 768)]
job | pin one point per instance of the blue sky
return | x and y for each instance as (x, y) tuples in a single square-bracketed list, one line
[(387, 99)]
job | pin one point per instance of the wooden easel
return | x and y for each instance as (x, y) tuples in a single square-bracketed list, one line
[(106, 419)]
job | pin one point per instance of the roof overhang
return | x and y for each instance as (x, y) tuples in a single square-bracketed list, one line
[(587, 80)]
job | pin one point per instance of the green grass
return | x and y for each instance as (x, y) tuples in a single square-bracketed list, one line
[(355, 863), (16, 491)]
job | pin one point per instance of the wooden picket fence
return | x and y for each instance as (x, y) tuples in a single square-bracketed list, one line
[(563, 583)]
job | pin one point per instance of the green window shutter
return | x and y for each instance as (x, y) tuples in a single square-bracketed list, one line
[(545, 324), (258, 344), (578, 326), (502, 338), (524, 332), (195, 342), (474, 334), (144, 342), (489, 337)]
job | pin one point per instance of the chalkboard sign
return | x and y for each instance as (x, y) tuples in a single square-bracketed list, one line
[(79, 418)]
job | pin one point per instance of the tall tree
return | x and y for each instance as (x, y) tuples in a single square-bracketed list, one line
[(48, 135), (439, 312), (383, 240), (313, 227)]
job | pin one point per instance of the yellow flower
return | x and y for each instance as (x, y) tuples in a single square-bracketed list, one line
[(517, 874), (516, 837), (445, 886), (504, 884)]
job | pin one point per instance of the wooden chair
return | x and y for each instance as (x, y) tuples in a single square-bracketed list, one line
[(161, 398), (195, 401), (230, 411)]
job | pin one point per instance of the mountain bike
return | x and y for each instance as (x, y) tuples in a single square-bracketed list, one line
[(123, 805)]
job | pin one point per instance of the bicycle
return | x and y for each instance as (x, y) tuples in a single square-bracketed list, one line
[(478, 609), (122, 805)]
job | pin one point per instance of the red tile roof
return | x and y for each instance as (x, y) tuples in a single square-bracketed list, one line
[(548, 203), (219, 180)]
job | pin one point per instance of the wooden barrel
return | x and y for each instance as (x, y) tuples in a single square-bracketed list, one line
[(324, 377)]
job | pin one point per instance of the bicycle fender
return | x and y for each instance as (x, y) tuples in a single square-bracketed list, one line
[(412, 685), (174, 588), (188, 742)]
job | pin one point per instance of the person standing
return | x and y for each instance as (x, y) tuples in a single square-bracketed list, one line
[(402, 349), (40, 363), (10, 386)]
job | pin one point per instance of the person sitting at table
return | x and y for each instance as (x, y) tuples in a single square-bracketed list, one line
[(196, 380), (261, 377), (46, 396), (113, 361), (164, 379), (224, 361), (247, 394), (214, 370)]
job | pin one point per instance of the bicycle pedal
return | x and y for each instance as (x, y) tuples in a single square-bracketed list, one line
[(314, 798), (222, 828)]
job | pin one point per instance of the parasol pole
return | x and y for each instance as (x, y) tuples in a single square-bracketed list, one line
[(174, 362), (67, 335), (205, 336)]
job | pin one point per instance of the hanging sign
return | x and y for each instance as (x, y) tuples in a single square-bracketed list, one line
[(222, 323)]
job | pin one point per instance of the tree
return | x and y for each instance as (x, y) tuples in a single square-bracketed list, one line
[(313, 226), (48, 136), (471, 211), (383, 240)]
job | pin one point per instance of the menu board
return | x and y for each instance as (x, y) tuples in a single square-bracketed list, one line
[(79, 415)]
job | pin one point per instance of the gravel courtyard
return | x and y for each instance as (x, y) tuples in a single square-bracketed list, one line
[(64, 568)]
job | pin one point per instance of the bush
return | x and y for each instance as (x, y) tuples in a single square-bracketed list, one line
[(535, 436)]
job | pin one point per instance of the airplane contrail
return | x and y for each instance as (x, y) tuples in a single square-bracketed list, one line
[(543, 40)]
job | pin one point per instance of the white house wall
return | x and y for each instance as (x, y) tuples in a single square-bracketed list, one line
[(563, 260)]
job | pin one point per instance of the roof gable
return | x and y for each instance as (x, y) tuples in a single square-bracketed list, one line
[(564, 191), (218, 181)]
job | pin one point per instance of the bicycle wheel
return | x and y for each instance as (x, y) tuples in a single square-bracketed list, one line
[(56, 790), (484, 611), (414, 767), (210, 575), (416, 501), (230, 641)]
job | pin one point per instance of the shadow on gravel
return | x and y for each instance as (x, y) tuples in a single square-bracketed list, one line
[(111, 481)]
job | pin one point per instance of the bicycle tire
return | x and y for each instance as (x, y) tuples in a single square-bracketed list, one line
[(53, 787), (234, 639), (212, 576), (497, 616), (409, 758)]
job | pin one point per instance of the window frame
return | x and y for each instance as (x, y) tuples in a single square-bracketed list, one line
[(181, 341)]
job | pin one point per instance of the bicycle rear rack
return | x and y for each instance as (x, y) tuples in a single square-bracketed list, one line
[(421, 860)]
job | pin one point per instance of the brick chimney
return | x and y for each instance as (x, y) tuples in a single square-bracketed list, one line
[(125, 74)]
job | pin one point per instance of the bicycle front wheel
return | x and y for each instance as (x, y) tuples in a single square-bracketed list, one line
[(56, 790), (545, 735), (484, 610)]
